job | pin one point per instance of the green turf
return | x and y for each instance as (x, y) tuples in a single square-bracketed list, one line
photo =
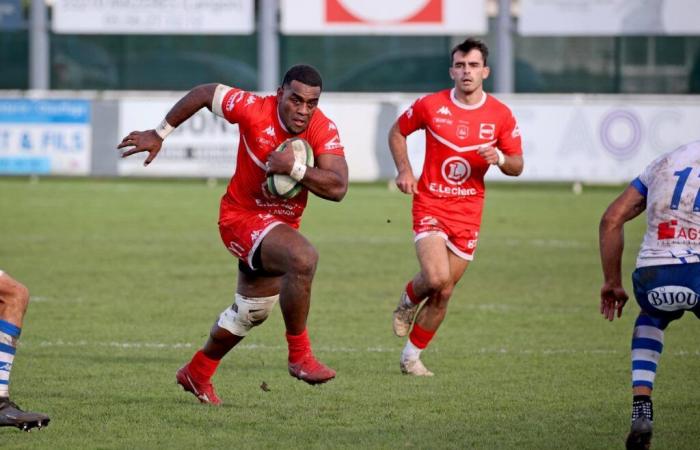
[(127, 277)]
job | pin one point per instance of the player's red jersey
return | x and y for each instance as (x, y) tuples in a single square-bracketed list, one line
[(453, 172), (261, 132)]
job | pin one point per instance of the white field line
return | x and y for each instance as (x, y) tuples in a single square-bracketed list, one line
[(325, 349)]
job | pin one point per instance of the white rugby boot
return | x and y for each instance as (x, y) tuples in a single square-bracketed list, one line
[(404, 314), (414, 366)]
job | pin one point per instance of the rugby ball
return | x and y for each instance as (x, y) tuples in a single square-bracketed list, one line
[(285, 186)]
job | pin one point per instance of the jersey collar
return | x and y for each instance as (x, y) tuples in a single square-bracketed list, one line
[(279, 119), (462, 105)]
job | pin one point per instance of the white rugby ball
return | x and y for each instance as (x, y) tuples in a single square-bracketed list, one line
[(283, 185)]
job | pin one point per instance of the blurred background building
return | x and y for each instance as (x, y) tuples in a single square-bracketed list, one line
[(645, 57)]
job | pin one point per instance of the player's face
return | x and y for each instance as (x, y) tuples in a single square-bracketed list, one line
[(296, 104), (468, 71)]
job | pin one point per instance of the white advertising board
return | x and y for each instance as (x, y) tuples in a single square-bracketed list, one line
[(204, 146), (593, 139), (607, 139), (45, 137), (153, 17), (608, 17), (436, 17)]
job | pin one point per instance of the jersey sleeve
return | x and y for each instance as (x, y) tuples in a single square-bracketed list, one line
[(325, 139), (509, 141), (234, 105), (641, 183), (413, 118)]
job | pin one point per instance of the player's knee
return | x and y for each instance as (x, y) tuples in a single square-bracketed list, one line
[(446, 292), (246, 313), (15, 295), (437, 280), (303, 260)]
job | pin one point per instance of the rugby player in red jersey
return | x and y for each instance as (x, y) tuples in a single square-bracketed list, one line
[(467, 131), (275, 260)]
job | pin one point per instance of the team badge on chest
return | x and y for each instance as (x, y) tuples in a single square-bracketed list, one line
[(462, 131)]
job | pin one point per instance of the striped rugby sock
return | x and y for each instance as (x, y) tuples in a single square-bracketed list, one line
[(9, 334), (647, 345)]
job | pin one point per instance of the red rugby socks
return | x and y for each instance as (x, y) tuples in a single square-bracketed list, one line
[(298, 345)]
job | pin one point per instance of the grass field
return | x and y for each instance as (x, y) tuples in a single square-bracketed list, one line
[(127, 277)]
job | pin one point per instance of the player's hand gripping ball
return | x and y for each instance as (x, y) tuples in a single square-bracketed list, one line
[(283, 185)]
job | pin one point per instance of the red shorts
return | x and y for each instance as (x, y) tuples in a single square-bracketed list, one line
[(460, 238), (242, 232)]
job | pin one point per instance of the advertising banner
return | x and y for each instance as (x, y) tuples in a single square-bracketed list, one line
[(204, 146), (45, 137), (153, 17), (599, 139), (436, 17), (608, 17)]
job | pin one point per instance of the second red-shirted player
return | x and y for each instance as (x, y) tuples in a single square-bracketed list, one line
[(466, 132)]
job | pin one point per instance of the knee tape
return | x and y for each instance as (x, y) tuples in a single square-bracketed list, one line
[(246, 313)]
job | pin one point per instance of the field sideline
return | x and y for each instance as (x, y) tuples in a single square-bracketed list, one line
[(127, 276)]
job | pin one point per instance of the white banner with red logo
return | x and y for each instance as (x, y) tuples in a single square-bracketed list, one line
[(608, 17), (436, 17)]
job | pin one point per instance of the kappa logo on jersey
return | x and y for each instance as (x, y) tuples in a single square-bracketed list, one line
[(333, 144), (428, 220), (232, 100), (487, 130), (444, 110), (250, 100), (672, 298), (255, 235), (516, 132), (6, 367), (409, 112), (456, 170), (270, 131), (235, 248), (331, 126)]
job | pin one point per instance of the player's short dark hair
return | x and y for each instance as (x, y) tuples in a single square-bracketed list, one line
[(468, 45), (303, 73)]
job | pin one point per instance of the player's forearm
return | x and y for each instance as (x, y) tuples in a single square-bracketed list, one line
[(327, 184), (612, 242), (513, 165), (196, 99), (399, 150)]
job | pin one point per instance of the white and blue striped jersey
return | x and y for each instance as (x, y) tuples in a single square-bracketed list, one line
[(671, 185)]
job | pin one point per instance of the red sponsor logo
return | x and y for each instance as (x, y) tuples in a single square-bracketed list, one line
[(349, 11), (667, 230)]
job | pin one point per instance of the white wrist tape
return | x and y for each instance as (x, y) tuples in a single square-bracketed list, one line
[(501, 158), (164, 129), (298, 171)]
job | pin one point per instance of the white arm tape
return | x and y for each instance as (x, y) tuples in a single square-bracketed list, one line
[(219, 94), (298, 171), (164, 129), (501, 158)]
